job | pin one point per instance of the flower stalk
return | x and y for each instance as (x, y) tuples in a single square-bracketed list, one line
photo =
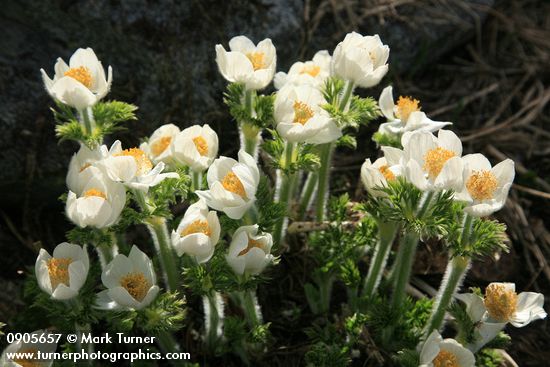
[(307, 193), (87, 119), (213, 318), (252, 311), (196, 180), (403, 267), (250, 134), (323, 181), (284, 189)]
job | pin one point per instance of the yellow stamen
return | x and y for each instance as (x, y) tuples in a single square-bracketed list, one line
[(95, 192), (81, 74), (83, 168), (28, 362), (136, 284), (201, 145), (445, 359), (482, 185), (435, 159), (251, 244), (302, 112), (257, 60), (160, 145), (501, 302), (406, 106), (198, 226), (58, 270), (386, 172), (312, 70), (143, 163), (232, 183)]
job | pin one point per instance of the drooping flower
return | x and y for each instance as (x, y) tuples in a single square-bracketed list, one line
[(80, 84), (130, 280), (159, 146), (196, 147), (361, 59), (405, 115), (383, 170), (31, 358), (198, 232), (301, 118), (133, 168), (232, 185), (485, 189), (249, 251), (82, 167), (314, 72), (439, 352), (98, 204), (63, 274), (433, 163), (247, 63)]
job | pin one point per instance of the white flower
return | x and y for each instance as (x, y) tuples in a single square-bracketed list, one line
[(82, 167), (31, 349), (133, 168), (131, 282), (232, 185), (80, 84), (314, 72), (383, 170), (62, 275), (361, 59), (485, 188), (300, 117), (437, 352), (249, 252), (198, 232), (99, 204), (246, 63), (159, 146), (433, 163), (196, 146), (405, 116)]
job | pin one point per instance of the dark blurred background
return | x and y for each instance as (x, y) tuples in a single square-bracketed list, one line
[(483, 64)]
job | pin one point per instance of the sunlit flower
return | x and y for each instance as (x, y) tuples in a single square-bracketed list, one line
[(196, 147), (485, 188), (130, 280), (250, 251), (405, 116), (383, 170), (433, 163), (82, 167), (133, 168), (232, 185), (31, 349), (63, 274), (80, 84), (99, 204), (159, 146), (301, 118), (198, 232), (314, 72), (439, 352), (247, 63), (361, 59)]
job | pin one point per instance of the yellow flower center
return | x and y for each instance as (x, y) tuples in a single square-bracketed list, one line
[(58, 270), (435, 159), (482, 185), (386, 172), (201, 145), (81, 74), (445, 359), (95, 192), (257, 60), (232, 183), (500, 302), (302, 112), (28, 361), (251, 244), (198, 226), (406, 106), (312, 70), (143, 163), (160, 145), (83, 168), (136, 284)]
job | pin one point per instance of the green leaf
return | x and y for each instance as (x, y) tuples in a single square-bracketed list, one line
[(387, 140)]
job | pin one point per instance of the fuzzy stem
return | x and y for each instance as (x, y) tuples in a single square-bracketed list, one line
[(387, 232), (403, 267), (323, 182), (87, 120), (251, 308), (250, 134), (325, 291), (346, 96), (213, 318), (196, 180), (283, 193), (159, 233), (307, 193)]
